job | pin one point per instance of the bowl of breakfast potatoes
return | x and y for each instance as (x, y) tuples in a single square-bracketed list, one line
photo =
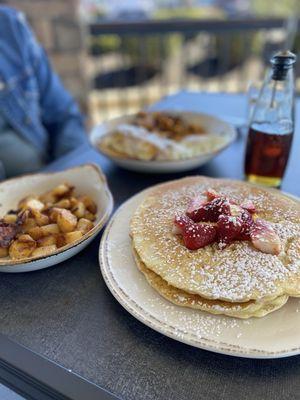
[(49, 217)]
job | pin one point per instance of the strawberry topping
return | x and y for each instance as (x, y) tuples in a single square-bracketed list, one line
[(249, 206), (195, 204), (247, 222), (225, 221), (210, 211), (229, 229), (194, 235), (199, 235), (264, 238), (211, 194), (181, 223)]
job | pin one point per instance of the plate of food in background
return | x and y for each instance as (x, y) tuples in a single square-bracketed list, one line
[(47, 218), (162, 142)]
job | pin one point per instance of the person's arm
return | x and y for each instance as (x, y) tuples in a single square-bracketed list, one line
[(59, 112)]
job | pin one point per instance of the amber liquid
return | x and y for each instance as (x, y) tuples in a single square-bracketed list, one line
[(267, 156)]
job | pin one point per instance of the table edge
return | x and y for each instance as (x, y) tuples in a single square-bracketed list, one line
[(36, 377)]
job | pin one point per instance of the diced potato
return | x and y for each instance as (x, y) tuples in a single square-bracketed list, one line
[(46, 241), (44, 251), (49, 221), (41, 219), (53, 214), (10, 218), (84, 225), (24, 237), (60, 240), (89, 216), (36, 232), (90, 205), (64, 203), (73, 202), (41, 231), (79, 210), (62, 190), (66, 221), (48, 198), (47, 207), (22, 217), (31, 203), (25, 200), (71, 237), (29, 223), (21, 249), (3, 252), (51, 229), (35, 204)]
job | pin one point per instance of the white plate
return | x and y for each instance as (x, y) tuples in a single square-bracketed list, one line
[(212, 125), (87, 179), (273, 336)]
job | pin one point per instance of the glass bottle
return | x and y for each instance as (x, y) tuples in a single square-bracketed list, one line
[(272, 124)]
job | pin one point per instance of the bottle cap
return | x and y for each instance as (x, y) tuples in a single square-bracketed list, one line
[(281, 63)]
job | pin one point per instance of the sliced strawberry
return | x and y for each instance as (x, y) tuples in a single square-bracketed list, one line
[(194, 204), (246, 219), (264, 238), (217, 207), (211, 194), (249, 206), (198, 214), (199, 235), (210, 211), (181, 223), (247, 222), (229, 228)]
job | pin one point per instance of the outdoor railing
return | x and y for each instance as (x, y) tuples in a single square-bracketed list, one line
[(135, 63)]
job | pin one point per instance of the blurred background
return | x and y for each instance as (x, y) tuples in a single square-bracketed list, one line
[(118, 56)]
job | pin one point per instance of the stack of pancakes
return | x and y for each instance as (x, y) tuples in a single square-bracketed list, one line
[(238, 281)]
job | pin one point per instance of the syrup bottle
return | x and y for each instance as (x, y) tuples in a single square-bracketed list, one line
[(272, 124)]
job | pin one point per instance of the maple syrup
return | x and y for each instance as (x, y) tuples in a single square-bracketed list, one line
[(272, 124), (267, 155)]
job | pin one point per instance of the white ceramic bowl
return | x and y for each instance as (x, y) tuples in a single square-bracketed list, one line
[(87, 179), (212, 125)]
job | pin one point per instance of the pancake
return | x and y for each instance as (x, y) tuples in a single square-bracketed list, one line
[(239, 272), (180, 298)]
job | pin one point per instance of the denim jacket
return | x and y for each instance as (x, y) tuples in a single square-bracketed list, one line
[(32, 98)]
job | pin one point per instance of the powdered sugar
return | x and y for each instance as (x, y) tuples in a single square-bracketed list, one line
[(236, 273)]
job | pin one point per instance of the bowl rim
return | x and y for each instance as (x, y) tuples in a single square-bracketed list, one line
[(98, 226), (231, 138)]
